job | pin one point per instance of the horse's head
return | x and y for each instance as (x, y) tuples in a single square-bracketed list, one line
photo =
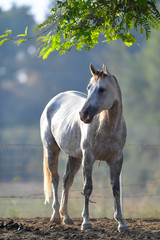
[(101, 94)]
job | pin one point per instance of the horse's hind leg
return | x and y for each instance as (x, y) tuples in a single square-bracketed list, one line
[(51, 153), (72, 167), (115, 170)]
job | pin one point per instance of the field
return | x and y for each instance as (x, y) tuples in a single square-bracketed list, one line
[(26, 200), (21, 202), (103, 228)]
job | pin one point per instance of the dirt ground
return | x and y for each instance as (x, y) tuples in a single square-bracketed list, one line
[(103, 228)]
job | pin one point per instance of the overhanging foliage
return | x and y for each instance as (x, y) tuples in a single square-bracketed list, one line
[(80, 22)]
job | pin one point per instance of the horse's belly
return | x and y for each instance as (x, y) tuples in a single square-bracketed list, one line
[(70, 144), (68, 138)]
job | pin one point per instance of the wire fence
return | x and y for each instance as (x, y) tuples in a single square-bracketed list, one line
[(80, 194), (37, 147), (21, 174)]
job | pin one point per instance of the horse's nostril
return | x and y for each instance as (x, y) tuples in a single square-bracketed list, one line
[(86, 112), (84, 115)]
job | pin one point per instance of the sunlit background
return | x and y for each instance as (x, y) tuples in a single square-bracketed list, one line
[(39, 9), (27, 83)]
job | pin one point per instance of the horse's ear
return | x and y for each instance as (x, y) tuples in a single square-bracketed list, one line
[(105, 70), (93, 70)]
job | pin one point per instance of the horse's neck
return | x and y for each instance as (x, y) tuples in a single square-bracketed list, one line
[(115, 113), (110, 118)]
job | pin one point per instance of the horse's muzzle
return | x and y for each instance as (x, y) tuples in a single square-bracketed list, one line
[(87, 114), (85, 117)]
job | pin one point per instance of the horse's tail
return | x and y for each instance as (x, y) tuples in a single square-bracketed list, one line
[(47, 179)]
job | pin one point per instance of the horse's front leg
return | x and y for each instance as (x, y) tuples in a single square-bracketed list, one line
[(87, 166), (115, 170)]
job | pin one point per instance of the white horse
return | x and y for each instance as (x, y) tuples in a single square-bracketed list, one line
[(86, 128)]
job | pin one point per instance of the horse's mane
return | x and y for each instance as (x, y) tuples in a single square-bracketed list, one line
[(98, 74)]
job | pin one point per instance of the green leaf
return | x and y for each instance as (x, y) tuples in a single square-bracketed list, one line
[(43, 51), (2, 41), (56, 42), (5, 35), (94, 37), (128, 44), (19, 41), (23, 35), (26, 31), (47, 53), (79, 45)]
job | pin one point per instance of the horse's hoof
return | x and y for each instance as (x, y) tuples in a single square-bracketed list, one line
[(55, 220), (86, 226), (68, 221), (123, 228)]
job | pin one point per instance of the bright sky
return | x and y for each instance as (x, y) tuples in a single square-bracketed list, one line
[(39, 7)]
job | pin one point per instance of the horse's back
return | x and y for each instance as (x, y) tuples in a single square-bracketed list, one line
[(66, 101), (60, 119)]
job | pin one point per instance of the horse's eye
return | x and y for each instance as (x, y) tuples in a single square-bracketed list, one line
[(101, 90)]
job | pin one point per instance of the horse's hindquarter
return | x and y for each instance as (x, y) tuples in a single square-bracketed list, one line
[(65, 122)]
